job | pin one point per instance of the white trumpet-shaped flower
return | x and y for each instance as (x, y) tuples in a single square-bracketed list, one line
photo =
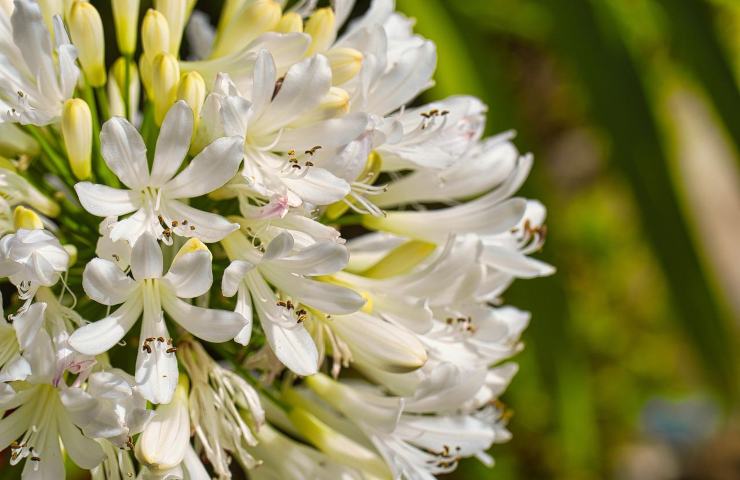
[(152, 293), (35, 79), (155, 197), (32, 259)]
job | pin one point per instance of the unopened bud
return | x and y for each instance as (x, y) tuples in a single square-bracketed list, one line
[(345, 64), (155, 34), (86, 30), (165, 78), (176, 13), (116, 88), (290, 22), (191, 246), (192, 89), (77, 133), (165, 439), (321, 28), (126, 17), (249, 22), (26, 219)]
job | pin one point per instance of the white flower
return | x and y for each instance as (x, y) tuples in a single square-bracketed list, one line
[(153, 294), (34, 85), (155, 197), (15, 190), (289, 270), (32, 259)]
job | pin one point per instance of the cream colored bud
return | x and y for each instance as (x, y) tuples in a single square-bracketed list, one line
[(26, 219), (77, 133), (192, 89), (86, 30), (290, 22), (345, 64), (176, 13), (165, 439), (155, 34), (165, 79), (145, 68), (192, 245), (116, 88), (249, 22), (321, 28), (126, 18)]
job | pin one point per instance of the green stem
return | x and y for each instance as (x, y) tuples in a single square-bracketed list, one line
[(50, 158), (102, 97)]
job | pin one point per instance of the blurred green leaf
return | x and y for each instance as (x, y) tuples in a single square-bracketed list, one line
[(618, 102), (696, 43)]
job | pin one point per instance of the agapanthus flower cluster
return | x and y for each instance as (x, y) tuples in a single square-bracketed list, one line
[(237, 244)]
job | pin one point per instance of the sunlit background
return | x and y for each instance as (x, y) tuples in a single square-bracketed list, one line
[(632, 110)]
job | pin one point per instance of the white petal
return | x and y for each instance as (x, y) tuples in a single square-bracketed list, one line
[(146, 258), (173, 142), (209, 170), (190, 274), (28, 323), (131, 228), (244, 308), (85, 452), (13, 425), (322, 258), (105, 283), (17, 368), (263, 82), (233, 276), (98, 337), (156, 372), (235, 114), (124, 152), (105, 201), (206, 323), (207, 227), (279, 247), (333, 133), (323, 296), (317, 186)]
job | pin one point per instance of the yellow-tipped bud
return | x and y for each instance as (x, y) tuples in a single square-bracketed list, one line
[(72, 252), (192, 245), (249, 22), (176, 13), (126, 18), (26, 219), (116, 88), (192, 89), (165, 78), (290, 22), (77, 133), (155, 34), (321, 28), (86, 30), (345, 64)]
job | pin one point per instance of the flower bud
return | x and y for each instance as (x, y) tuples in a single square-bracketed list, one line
[(14, 141), (77, 133), (165, 78), (176, 13), (126, 18), (115, 88), (192, 245), (86, 30), (290, 22), (335, 445), (192, 89), (165, 439), (26, 219), (345, 64), (321, 28), (249, 22), (155, 34)]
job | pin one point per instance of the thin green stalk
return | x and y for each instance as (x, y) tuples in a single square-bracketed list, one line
[(50, 158), (103, 103)]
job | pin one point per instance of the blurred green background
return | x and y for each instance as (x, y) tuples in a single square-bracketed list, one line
[(632, 110)]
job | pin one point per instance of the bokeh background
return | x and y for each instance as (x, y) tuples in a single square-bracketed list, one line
[(632, 110)]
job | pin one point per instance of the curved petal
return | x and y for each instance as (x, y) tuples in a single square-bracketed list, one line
[(209, 170), (156, 368), (233, 276), (208, 227), (244, 308), (105, 283), (28, 323), (190, 274), (146, 258), (206, 323), (131, 228), (279, 247), (173, 142), (323, 296), (124, 152), (317, 186), (98, 337), (105, 201), (85, 452), (321, 258)]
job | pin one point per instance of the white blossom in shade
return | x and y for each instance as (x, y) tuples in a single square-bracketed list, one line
[(156, 197), (32, 259), (290, 271), (35, 79), (224, 410), (119, 251), (16, 190), (152, 293)]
